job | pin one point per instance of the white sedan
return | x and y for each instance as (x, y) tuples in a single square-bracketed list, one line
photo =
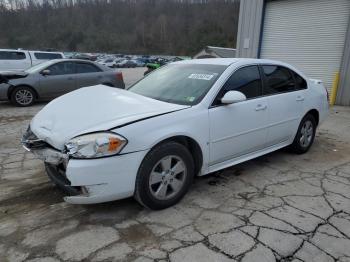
[(185, 119)]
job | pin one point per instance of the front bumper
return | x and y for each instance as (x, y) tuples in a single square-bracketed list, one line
[(3, 91), (91, 181), (104, 179), (87, 181)]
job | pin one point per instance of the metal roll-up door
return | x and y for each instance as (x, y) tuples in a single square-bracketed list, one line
[(308, 34)]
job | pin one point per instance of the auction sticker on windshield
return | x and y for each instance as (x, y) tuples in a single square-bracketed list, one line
[(201, 76)]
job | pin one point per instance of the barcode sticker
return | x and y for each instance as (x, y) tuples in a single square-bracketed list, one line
[(201, 76)]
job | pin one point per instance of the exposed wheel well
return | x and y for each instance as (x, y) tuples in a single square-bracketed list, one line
[(315, 114), (12, 88), (192, 146)]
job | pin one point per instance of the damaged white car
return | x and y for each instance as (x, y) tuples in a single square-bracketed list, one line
[(185, 119)]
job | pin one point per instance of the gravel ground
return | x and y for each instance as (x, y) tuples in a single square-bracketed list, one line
[(279, 207)]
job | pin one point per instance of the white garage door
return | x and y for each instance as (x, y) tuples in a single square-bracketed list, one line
[(308, 34)]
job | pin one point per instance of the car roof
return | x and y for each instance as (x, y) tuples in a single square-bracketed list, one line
[(70, 60), (229, 61), (239, 61), (25, 50), (209, 61)]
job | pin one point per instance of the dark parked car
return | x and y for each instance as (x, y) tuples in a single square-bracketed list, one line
[(54, 78), (126, 64)]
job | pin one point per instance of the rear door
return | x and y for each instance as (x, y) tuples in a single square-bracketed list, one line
[(240, 128), (62, 79), (285, 101), (88, 74)]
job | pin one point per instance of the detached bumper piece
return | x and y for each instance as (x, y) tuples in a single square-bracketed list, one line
[(42, 150), (57, 174)]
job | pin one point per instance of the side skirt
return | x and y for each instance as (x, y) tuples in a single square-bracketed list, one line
[(247, 157)]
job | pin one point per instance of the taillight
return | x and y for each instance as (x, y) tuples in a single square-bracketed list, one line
[(327, 94), (119, 76)]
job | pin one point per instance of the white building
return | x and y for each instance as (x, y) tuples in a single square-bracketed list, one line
[(313, 35), (216, 52)]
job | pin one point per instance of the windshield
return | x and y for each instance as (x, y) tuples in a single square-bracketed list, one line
[(184, 84), (38, 67)]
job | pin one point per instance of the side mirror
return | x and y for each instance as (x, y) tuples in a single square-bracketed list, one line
[(233, 97), (45, 72)]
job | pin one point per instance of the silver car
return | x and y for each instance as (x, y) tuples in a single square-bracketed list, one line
[(54, 78)]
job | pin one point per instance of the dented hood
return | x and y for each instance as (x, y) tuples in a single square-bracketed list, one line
[(5, 76), (91, 109)]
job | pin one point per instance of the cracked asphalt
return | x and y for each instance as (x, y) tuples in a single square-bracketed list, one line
[(279, 207)]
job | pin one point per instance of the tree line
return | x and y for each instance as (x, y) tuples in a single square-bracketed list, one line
[(177, 27)]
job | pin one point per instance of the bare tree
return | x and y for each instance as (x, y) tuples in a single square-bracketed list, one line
[(179, 27)]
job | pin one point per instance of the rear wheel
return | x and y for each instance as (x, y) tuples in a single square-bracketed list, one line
[(23, 96), (164, 176), (305, 136)]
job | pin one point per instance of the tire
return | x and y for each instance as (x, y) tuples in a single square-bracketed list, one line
[(165, 187), (305, 135), (23, 96)]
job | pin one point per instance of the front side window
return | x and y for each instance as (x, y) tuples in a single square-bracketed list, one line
[(83, 68), (246, 80), (47, 56), (12, 55), (278, 80), (184, 84), (62, 68)]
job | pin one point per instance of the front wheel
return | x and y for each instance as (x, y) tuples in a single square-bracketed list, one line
[(305, 136), (164, 176), (23, 96)]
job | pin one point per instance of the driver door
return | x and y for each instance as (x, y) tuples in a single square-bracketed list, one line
[(61, 79), (240, 128)]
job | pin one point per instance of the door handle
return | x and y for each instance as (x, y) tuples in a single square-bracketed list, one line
[(260, 107), (70, 78), (300, 98)]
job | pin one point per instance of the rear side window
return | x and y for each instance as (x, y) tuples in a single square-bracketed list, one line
[(12, 55), (87, 68), (299, 81), (62, 68), (246, 80), (278, 79), (47, 56)]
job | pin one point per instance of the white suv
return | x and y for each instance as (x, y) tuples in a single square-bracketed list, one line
[(11, 59)]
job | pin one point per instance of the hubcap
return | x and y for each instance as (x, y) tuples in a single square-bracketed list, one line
[(167, 177), (24, 97), (307, 131)]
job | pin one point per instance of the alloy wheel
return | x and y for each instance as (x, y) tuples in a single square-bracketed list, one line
[(24, 97), (168, 177), (307, 132)]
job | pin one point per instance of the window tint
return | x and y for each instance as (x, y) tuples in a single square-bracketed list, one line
[(278, 80), (47, 56), (63, 68), (246, 80), (299, 81), (12, 55), (87, 68)]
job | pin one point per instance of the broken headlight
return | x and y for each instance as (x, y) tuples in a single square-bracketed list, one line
[(95, 145)]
